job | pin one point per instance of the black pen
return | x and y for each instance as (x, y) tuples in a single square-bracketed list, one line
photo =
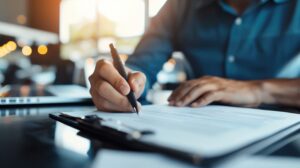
[(121, 69)]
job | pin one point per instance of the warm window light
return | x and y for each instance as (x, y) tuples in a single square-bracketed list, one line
[(155, 6), (128, 18), (26, 50), (42, 50)]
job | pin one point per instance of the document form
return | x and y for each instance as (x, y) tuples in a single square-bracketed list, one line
[(210, 131)]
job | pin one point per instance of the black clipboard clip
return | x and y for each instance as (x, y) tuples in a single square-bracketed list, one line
[(110, 125)]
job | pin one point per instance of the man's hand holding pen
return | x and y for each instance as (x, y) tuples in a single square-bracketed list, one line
[(109, 89)]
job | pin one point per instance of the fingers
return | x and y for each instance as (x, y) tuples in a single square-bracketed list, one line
[(103, 104), (193, 90), (208, 98), (105, 90), (183, 89), (197, 92), (186, 87), (106, 71), (137, 81)]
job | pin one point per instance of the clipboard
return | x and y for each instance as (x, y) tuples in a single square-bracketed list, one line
[(92, 124), (132, 138)]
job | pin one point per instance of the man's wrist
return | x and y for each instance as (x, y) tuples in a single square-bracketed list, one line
[(256, 87), (265, 88)]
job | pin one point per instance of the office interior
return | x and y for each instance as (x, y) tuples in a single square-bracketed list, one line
[(58, 42)]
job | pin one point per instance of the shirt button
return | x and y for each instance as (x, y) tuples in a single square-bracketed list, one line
[(238, 21), (231, 59)]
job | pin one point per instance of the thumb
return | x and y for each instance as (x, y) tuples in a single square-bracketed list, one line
[(137, 81)]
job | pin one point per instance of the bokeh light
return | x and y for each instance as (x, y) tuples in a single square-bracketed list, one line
[(11, 46), (7, 48), (42, 49), (26, 50), (21, 19)]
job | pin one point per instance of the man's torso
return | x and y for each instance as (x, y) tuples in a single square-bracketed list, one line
[(255, 45)]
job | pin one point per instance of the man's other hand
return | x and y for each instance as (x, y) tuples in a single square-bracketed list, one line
[(206, 90)]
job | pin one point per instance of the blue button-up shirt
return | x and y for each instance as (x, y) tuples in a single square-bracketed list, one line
[(216, 40)]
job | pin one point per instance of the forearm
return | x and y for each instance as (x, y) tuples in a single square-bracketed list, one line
[(280, 92)]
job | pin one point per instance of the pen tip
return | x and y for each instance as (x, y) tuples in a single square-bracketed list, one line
[(136, 110)]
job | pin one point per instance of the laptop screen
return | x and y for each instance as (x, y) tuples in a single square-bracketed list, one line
[(24, 91)]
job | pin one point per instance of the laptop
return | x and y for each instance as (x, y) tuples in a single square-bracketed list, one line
[(40, 94)]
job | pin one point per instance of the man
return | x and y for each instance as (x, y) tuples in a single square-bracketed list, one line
[(235, 48)]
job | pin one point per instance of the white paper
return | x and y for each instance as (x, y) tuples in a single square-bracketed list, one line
[(262, 162), (209, 131), (117, 159)]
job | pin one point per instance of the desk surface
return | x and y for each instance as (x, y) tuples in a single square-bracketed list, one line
[(28, 138)]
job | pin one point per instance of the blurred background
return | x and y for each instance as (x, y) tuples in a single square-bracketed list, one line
[(58, 41)]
